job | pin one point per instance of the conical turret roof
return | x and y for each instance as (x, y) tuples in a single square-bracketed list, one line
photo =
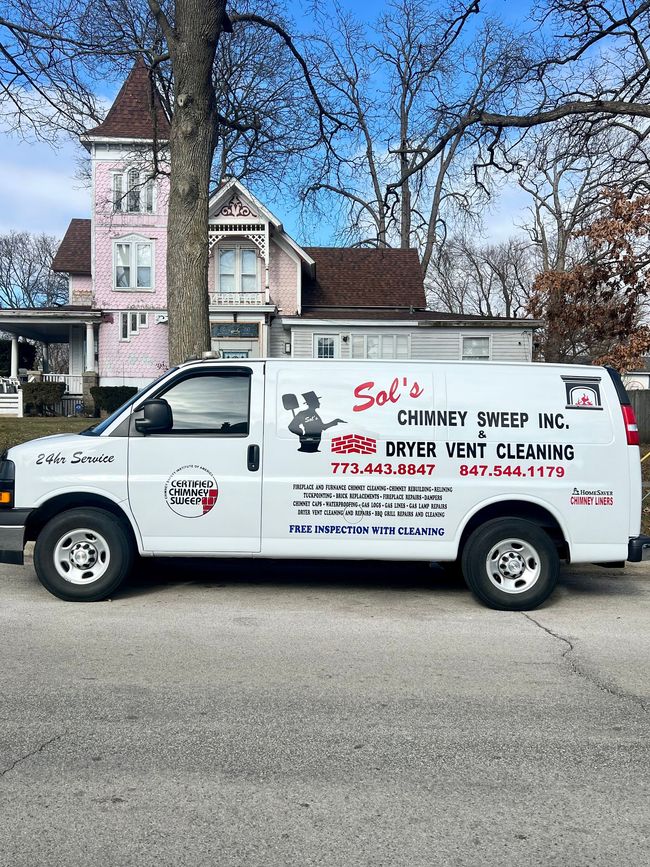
[(137, 112)]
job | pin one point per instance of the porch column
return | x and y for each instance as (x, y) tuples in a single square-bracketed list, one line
[(46, 358), (14, 358), (90, 347)]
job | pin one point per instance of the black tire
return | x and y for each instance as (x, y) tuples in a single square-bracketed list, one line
[(497, 550), (97, 547)]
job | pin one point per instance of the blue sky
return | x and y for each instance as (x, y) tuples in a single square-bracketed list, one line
[(39, 192)]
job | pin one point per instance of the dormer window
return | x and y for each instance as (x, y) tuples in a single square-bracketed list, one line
[(237, 269), (133, 192)]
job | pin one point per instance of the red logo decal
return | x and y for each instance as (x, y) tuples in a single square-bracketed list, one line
[(209, 500), (354, 444), (384, 396)]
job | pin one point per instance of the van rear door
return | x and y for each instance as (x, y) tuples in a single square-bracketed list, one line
[(197, 488)]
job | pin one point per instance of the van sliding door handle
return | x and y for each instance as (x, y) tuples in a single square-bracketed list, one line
[(253, 458)]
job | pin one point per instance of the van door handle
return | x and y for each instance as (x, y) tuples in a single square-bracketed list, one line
[(253, 458)]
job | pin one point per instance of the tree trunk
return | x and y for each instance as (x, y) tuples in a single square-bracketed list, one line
[(198, 26)]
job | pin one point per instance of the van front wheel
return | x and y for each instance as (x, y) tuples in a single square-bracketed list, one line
[(83, 555), (510, 564)]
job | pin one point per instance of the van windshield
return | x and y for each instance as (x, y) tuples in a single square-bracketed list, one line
[(99, 428)]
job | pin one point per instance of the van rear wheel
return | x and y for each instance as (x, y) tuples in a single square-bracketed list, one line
[(510, 564), (83, 555)]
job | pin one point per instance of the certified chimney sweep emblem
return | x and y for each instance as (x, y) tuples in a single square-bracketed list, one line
[(582, 392), (191, 491)]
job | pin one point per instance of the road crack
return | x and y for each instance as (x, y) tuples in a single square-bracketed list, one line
[(581, 673), (35, 752)]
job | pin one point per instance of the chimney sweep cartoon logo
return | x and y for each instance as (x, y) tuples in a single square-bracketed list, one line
[(307, 425), (582, 392)]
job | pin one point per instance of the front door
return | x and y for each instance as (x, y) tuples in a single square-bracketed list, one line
[(197, 489)]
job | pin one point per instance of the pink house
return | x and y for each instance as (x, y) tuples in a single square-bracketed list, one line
[(268, 296)]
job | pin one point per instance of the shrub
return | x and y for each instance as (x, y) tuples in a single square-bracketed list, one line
[(41, 396), (111, 397)]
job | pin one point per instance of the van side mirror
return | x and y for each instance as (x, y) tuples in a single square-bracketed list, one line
[(157, 417)]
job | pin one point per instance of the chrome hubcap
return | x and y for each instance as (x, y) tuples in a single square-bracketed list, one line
[(81, 556), (513, 565)]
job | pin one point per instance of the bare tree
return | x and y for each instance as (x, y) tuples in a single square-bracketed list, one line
[(482, 279), (564, 176), (26, 276), (401, 88)]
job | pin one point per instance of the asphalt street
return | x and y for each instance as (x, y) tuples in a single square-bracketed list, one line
[(261, 714)]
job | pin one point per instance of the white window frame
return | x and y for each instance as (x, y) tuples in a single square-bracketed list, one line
[(133, 241), (337, 346), (381, 334), (134, 322), (120, 198), (464, 337), (238, 273)]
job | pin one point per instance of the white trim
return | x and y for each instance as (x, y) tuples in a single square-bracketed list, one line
[(282, 241), (93, 212), (99, 139), (222, 193), (286, 239), (421, 324), (134, 239), (344, 324)]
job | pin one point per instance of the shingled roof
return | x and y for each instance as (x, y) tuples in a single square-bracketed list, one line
[(364, 277), (137, 111), (73, 255)]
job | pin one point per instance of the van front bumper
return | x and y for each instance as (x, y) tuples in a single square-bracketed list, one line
[(638, 549), (12, 535)]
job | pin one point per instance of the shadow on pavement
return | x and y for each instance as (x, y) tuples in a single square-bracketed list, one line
[(152, 575)]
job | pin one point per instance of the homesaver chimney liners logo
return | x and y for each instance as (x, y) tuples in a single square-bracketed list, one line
[(582, 392), (191, 491)]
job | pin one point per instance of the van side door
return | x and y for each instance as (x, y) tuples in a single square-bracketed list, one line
[(196, 488)]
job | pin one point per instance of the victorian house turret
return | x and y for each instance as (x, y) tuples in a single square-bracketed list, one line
[(268, 295)]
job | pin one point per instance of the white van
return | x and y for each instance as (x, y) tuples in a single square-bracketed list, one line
[(508, 468)]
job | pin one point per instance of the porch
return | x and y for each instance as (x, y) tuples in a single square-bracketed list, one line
[(73, 326)]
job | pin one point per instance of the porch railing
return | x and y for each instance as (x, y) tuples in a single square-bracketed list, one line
[(244, 299), (73, 383)]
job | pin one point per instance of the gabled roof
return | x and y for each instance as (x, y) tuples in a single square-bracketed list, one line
[(234, 188), (354, 277), (73, 255), (137, 112)]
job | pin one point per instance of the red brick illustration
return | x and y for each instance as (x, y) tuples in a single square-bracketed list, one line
[(354, 444), (208, 501)]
